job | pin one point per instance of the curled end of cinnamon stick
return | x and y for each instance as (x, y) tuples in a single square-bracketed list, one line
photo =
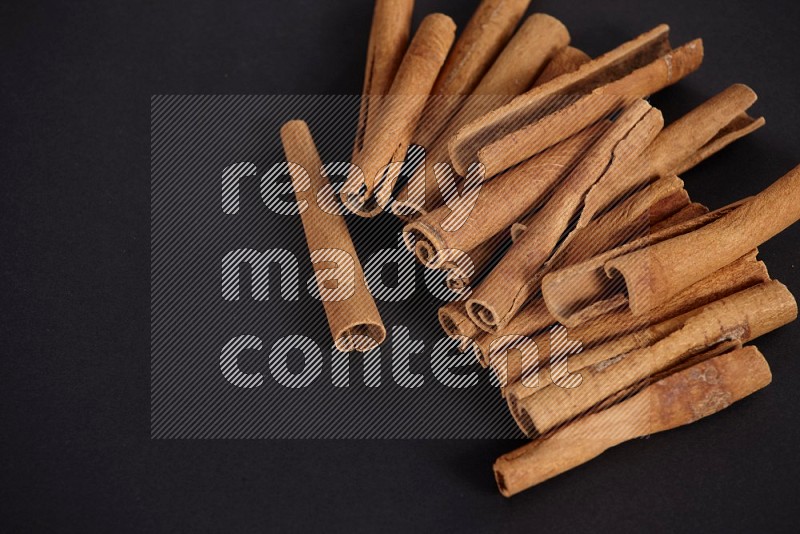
[(448, 322), (457, 325), (426, 243), (360, 337), (499, 478), (483, 315)]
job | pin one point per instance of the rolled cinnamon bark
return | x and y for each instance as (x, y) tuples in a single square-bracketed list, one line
[(352, 315), (518, 191), (532, 379), (455, 322), (398, 116), (533, 319), (538, 39), (682, 145), (512, 282), (518, 66), (388, 40), (663, 72), (566, 61), (743, 273), (552, 112), (690, 393), (739, 318), (739, 127), (530, 139), (628, 220), (462, 273), (706, 126), (620, 331), (583, 291), (486, 33), (654, 274), (674, 204)]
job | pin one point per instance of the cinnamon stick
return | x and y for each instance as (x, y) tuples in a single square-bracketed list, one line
[(547, 114), (695, 209), (685, 396), (656, 273), (739, 127), (627, 221), (682, 145), (388, 40), (743, 273), (455, 322), (613, 333), (630, 219), (577, 293), (738, 318), (530, 139), (465, 268), (518, 190), (540, 38), (533, 318), (517, 67), (659, 213), (511, 283), (352, 315), (663, 72), (398, 117), (620, 331), (485, 35)]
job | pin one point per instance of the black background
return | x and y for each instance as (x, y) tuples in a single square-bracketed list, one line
[(77, 79)]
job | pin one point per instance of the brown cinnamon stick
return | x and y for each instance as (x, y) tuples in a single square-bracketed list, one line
[(695, 209), (682, 145), (531, 379), (738, 318), (620, 331), (516, 68), (517, 191), (659, 214), (455, 322), (661, 73), (680, 398), (743, 273), (388, 40), (539, 39), (533, 318), (627, 221), (352, 315), (654, 274), (631, 219), (739, 127), (512, 282), (611, 334), (485, 35), (548, 114), (583, 291), (398, 117), (465, 268)]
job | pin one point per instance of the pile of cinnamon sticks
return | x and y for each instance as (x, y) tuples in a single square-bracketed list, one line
[(607, 303)]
